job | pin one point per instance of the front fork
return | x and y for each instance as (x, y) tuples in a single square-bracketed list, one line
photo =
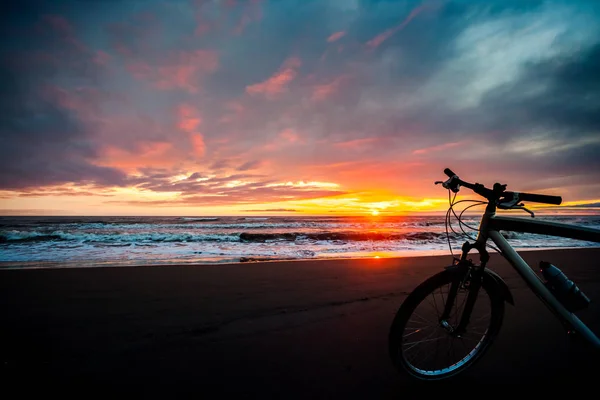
[(469, 277)]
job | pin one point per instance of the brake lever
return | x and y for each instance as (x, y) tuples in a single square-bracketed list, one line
[(522, 207), (511, 205), (508, 203), (447, 184)]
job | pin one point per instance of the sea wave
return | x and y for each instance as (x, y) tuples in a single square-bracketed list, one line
[(86, 237), (339, 236), (23, 237), (200, 218)]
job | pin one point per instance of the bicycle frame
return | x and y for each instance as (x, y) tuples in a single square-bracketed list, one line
[(490, 228)]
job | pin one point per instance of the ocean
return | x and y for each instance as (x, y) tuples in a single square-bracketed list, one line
[(50, 242)]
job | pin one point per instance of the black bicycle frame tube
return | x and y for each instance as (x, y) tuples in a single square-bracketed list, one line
[(540, 290), (496, 223), (491, 225)]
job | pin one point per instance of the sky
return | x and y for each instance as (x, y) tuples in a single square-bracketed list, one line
[(231, 107)]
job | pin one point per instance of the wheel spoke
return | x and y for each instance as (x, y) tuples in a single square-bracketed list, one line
[(414, 314), (420, 330), (435, 305), (443, 299), (422, 341)]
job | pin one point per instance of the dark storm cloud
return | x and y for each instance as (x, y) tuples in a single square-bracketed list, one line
[(569, 102), (555, 105), (42, 142)]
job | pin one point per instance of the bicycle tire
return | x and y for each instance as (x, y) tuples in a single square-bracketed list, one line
[(400, 337)]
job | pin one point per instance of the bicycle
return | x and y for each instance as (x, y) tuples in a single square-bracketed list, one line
[(463, 305)]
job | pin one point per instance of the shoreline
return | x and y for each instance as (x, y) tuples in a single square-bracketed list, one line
[(215, 261)]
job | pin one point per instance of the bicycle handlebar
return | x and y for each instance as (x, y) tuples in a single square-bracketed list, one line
[(540, 198), (498, 191), (449, 172)]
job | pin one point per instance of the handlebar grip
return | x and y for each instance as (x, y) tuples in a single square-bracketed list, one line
[(449, 172), (540, 198)]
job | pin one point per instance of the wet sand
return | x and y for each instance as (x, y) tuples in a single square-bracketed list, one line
[(302, 329)]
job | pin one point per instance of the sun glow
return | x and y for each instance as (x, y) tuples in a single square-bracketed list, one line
[(375, 213)]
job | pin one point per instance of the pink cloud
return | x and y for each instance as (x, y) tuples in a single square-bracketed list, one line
[(324, 91), (278, 82), (436, 148), (235, 106), (155, 154), (202, 28), (189, 121), (285, 138), (184, 70), (382, 37), (289, 135), (356, 143), (85, 101), (64, 98), (336, 36), (203, 25), (198, 144), (252, 13), (235, 110), (101, 58)]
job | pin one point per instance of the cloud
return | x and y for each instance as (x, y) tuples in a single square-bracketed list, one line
[(379, 39), (586, 205), (553, 106), (289, 135), (106, 91), (278, 82), (232, 189), (327, 90), (273, 210), (220, 164), (181, 70), (441, 147), (251, 13), (44, 141), (247, 166), (334, 37), (194, 176), (357, 143), (189, 121)]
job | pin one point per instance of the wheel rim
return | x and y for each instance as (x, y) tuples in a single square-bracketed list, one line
[(431, 347)]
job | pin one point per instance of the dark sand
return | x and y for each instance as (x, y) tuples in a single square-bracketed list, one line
[(305, 329)]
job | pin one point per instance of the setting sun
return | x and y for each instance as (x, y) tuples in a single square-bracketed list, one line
[(375, 213)]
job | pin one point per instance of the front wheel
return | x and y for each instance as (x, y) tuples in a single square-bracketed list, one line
[(426, 338)]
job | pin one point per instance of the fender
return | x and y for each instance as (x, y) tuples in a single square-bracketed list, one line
[(501, 285), (488, 274)]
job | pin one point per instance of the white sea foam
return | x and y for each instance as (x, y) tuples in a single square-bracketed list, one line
[(142, 241)]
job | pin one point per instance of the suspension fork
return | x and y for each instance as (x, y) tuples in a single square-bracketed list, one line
[(470, 277)]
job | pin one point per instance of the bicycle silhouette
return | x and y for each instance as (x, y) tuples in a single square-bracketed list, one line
[(450, 320)]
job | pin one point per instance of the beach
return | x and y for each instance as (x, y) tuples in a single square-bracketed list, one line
[(284, 329)]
